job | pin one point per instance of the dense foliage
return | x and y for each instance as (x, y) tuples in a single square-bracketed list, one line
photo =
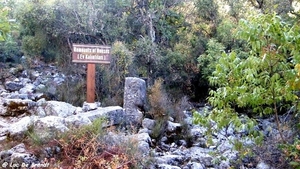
[(264, 83), (165, 37)]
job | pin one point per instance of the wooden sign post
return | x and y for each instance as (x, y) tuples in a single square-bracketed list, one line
[(90, 54), (90, 85)]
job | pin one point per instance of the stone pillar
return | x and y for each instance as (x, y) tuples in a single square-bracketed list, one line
[(134, 100)]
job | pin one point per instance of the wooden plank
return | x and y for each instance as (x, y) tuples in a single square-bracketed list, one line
[(90, 79)]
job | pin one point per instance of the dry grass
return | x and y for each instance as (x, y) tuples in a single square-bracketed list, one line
[(86, 148), (159, 101)]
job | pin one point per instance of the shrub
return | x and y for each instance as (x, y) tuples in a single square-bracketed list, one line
[(10, 51), (207, 62), (262, 84), (35, 139), (159, 101), (85, 147), (112, 79), (292, 153), (72, 91), (258, 83)]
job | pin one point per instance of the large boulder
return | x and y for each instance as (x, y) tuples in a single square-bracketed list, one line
[(114, 114), (61, 109), (15, 107), (47, 127), (15, 128), (134, 100)]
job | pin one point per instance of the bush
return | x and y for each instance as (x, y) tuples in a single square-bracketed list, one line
[(72, 91), (111, 80), (85, 147), (159, 101), (207, 62), (260, 85), (10, 51), (292, 153)]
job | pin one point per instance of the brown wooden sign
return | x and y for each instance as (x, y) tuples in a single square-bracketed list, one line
[(91, 53)]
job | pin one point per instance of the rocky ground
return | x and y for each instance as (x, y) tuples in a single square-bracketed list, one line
[(177, 145)]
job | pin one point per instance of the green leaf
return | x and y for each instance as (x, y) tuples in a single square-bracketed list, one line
[(294, 163)]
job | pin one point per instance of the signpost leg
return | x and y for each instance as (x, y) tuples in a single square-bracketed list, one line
[(90, 79)]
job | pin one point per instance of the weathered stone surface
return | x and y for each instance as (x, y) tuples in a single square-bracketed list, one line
[(77, 121), (89, 106), (2, 107), (51, 122), (47, 126), (175, 160), (166, 166), (112, 139), (142, 137), (134, 99), (58, 79), (19, 127), (201, 155), (50, 152), (114, 114), (20, 148), (148, 123), (15, 107), (27, 89), (17, 156), (143, 148), (262, 165), (172, 127), (61, 109), (34, 74), (194, 165), (13, 86)]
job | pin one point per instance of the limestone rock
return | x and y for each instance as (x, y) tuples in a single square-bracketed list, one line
[(15, 107), (27, 89), (148, 123), (114, 114), (18, 128), (175, 160), (89, 106), (143, 148), (166, 166), (143, 141), (201, 155), (172, 127), (77, 120), (142, 137), (47, 126), (13, 86), (17, 156), (194, 165), (262, 165), (134, 99), (61, 109)]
